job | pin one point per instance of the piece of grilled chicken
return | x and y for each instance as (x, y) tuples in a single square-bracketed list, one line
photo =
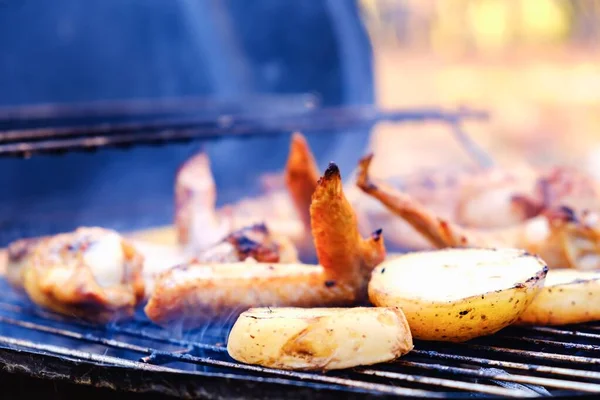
[(199, 224), (18, 255), (91, 273), (254, 243), (189, 294)]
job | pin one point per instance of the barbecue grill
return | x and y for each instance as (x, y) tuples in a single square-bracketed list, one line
[(62, 357), (137, 357)]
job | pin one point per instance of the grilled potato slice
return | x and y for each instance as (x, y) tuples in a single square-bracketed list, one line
[(319, 338), (458, 294), (568, 297)]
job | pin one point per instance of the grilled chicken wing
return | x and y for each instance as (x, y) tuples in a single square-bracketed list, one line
[(191, 293), (252, 242), (197, 224), (558, 235), (301, 176), (285, 212), (91, 273)]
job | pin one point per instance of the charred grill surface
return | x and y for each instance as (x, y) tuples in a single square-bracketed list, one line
[(142, 358)]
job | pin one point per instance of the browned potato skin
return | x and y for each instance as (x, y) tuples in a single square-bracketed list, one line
[(80, 295), (456, 320), (193, 293), (563, 304), (479, 318), (319, 339)]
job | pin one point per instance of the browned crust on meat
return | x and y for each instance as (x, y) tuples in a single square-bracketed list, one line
[(193, 292), (76, 292)]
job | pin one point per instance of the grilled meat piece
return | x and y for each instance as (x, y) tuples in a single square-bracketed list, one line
[(18, 254), (200, 225), (255, 242), (192, 293), (560, 235), (91, 273)]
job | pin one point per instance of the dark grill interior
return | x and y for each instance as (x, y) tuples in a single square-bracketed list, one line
[(517, 362)]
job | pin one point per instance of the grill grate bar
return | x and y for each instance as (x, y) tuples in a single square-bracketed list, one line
[(138, 107), (82, 355), (322, 120), (78, 336), (488, 389), (525, 379), (534, 354), (571, 346), (575, 373), (237, 123), (329, 379), (563, 332)]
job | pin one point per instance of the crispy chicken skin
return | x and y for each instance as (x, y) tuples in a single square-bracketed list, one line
[(197, 224), (561, 236), (192, 293), (200, 225), (485, 199), (91, 273), (252, 242), (18, 256)]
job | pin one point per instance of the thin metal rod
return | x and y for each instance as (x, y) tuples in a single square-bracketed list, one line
[(525, 379), (476, 387), (78, 336), (475, 151), (536, 354), (563, 332), (120, 362), (306, 376), (137, 107), (169, 135), (576, 373), (570, 346), (225, 124)]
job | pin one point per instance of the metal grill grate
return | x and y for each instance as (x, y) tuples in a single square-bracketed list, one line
[(55, 130), (517, 362)]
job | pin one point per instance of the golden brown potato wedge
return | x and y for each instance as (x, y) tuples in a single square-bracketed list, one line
[(568, 297), (458, 294), (319, 338)]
